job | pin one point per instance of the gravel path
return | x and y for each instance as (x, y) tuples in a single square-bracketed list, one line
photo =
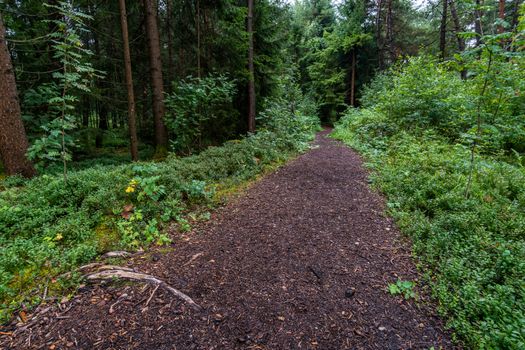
[(301, 261)]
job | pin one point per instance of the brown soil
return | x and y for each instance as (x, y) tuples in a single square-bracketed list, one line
[(301, 261)]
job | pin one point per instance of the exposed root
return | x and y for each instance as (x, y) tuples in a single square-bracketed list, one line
[(116, 254), (102, 267), (124, 273), (193, 258), (121, 298)]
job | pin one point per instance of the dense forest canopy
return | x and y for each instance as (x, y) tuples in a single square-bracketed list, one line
[(118, 117), (327, 51)]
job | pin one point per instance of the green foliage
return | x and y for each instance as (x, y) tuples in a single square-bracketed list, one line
[(416, 132), (75, 75), (199, 109), (423, 94), (404, 288), (47, 228)]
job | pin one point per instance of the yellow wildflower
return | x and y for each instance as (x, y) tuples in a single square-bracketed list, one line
[(130, 189)]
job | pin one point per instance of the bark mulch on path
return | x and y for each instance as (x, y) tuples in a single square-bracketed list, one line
[(301, 261)]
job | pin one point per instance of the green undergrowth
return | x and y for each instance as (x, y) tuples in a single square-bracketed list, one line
[(48, 227), (470, 245)]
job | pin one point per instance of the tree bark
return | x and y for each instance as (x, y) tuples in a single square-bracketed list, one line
[(157, 84), (443, 30), (251, 82), (515, 14), (13, 139), (132, 123), (379, 39), (458, 30), (198, 27), (457, 26), (352, 81), (477, 23), (501, 15), (171, 65), (390, 32)]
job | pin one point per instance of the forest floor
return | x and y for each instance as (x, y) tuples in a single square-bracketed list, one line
[(302, 260)]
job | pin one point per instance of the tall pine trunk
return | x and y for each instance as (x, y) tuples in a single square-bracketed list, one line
[(157, 84), (515, 14), (352, 80), (13, 139), (458, 30), (132, 124), (198, 28), (251, 82), (477, 22), (457, 26), (390, 31), (379, 39), (169, 24), (501, 15), (443, 30)]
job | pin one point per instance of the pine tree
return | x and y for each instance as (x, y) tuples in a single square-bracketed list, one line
[(13, 139)]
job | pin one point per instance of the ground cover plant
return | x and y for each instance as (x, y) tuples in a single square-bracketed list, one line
[(455, 186), (48, 227)]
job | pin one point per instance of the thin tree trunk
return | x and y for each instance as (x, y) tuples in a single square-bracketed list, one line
[(477, 23), (171, 66), (352, 82), (251, 82), (379, 41), (157, 84), (443, 30), (457, 26), (13, 139), (198, 25), (515, 14), (458, 30), (390, 32), (132, 124), (501, 15)]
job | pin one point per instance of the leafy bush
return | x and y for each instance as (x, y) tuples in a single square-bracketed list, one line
[(472, 248), (423, 94), (196, 108), (47, 227)]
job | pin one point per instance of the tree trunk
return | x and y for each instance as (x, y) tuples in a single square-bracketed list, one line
[(198, 27), (13, 139), (157, 84), (390, 32), (171, 66), (501, 15), (251, 82), (458, 30), (379, 39), (443, 31), (352, 82), (457, 26), (477, 23), (515, 14), (132, 124)]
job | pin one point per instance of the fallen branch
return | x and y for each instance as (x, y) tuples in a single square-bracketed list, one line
[(118, 272), (152, 294)]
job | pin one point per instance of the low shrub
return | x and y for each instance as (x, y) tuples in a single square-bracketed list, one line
[(48, 227), (472, 249)]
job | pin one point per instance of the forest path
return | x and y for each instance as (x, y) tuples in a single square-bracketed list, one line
[(301, 261)]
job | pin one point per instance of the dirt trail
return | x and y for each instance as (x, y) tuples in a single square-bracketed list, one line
[(301, 261)]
